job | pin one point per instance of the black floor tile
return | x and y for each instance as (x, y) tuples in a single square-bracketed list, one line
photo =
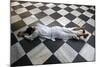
[(53, 45), (30, 7), (56, 8), (13, 13), (40, 15), (91, 11), (13, 39), (68, 9), (25, 14), (79, 59), (52, 60), (28, 45), (76, 44), (21, 2), (89, 28), (80, 10), (56, 15), (55, 23), (91, 41), (24, 61), (93, 17), (43, 8), (17, 7), (78, 5), (71, 24), (17, 25), (70, 16), (67, 4), (83, 17)]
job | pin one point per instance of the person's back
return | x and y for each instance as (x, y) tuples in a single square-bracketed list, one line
[(44, 31)]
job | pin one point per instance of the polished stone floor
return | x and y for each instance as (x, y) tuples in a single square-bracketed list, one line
[(25, 13)]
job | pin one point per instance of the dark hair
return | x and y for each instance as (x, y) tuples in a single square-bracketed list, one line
[(29, 30)]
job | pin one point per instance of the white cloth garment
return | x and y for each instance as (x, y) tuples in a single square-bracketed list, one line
[(53, 32)]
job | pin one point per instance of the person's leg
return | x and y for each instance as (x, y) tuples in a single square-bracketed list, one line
[(74, 28), (79, 28)]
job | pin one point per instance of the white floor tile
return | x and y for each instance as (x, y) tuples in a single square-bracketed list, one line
[(35, 11), (73, 7), (81, 23), (76, 13), (15, 18), (39, 54), (14, 3), (26, 4), (92, 8), (63, 21), (77, 20), (88, 52), (38, 4), (16, 52), (63, 12), (30, 19), (50, 5), (47, 20), (21, 10), (88, 14), (49, 11), (91, 22), (65, 53), (84, 8), (62, 6)]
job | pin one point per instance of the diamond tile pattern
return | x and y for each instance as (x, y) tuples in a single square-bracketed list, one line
[(38, 51)]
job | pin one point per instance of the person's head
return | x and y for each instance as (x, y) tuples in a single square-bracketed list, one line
[(28, 31)]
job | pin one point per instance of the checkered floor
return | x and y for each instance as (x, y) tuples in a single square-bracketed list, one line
[(46, 51)]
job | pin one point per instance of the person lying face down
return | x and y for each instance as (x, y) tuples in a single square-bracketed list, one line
[(44, 31)]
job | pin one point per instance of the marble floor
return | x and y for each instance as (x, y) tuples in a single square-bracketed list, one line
[(25, 13)]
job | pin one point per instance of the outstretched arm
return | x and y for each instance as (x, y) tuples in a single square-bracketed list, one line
[(31, 37)]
